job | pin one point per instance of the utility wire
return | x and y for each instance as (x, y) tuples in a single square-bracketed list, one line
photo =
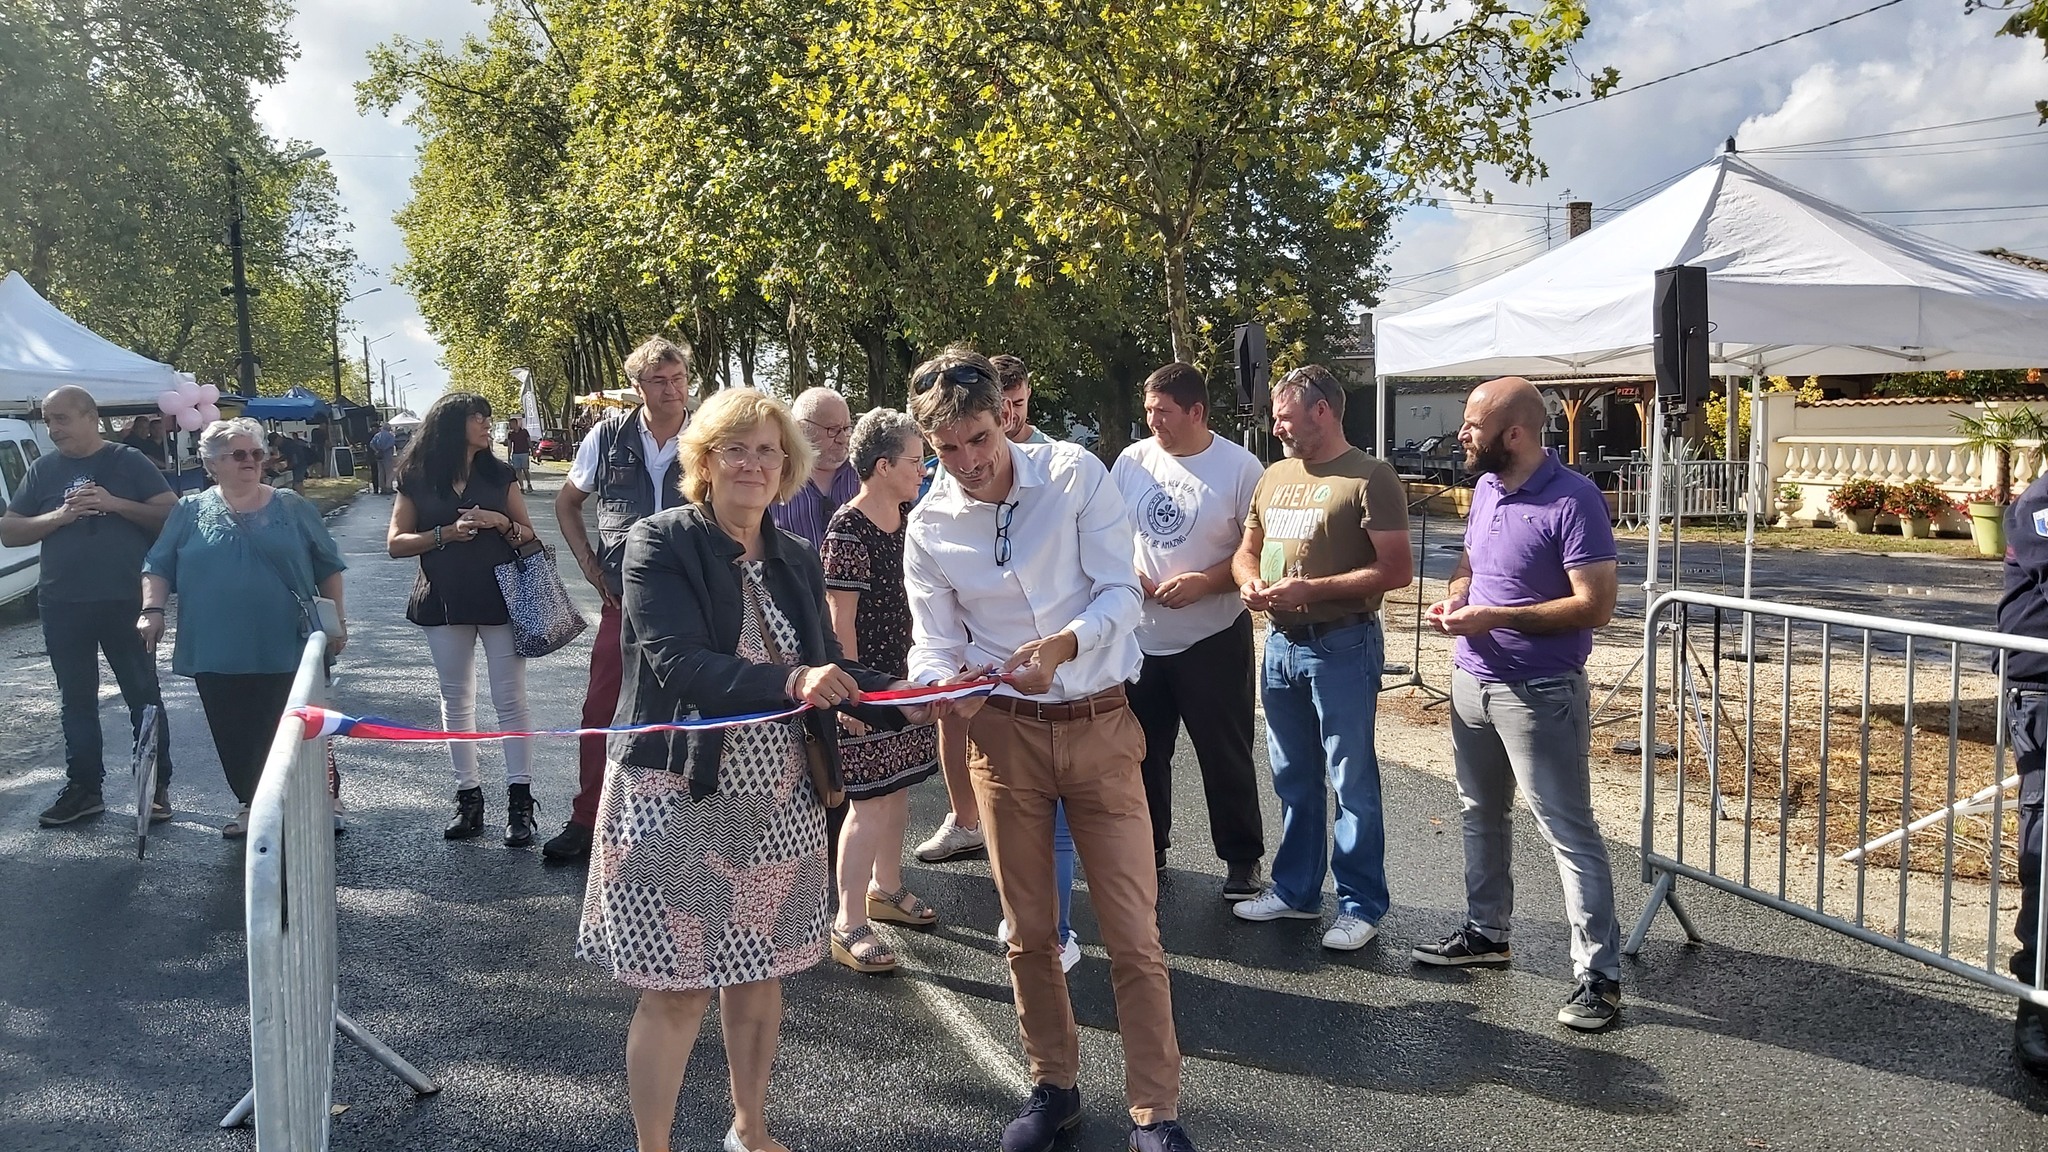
[(1722, 60), (1897, 132)]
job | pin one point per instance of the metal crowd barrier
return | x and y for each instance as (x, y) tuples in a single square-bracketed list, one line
[(1693, 489), (291, 926), (1827, 776)]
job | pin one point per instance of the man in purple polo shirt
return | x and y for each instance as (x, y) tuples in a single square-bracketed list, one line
[(1537, 577)]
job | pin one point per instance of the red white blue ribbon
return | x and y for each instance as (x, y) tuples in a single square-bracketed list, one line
[(324, 722)]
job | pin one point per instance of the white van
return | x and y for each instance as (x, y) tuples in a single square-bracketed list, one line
[(21, 443)]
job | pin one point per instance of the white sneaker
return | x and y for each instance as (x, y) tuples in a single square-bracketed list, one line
[(1269, 906), (949, 841), (1348, 933), (1070, 952)]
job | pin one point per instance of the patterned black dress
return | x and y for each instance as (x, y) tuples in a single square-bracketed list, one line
[(859, 557), (725, 890)]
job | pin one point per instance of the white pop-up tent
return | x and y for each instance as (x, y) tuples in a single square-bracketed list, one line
[(41, 348), (1796, 285)]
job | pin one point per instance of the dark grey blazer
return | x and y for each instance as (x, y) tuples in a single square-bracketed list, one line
[(680, 630)]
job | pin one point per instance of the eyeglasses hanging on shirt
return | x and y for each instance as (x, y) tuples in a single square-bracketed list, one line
[(1004, 510)]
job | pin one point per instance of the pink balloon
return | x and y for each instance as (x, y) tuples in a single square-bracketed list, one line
[(189, 391), (170, 402), (209, 412), (208, 394), (190, 420)]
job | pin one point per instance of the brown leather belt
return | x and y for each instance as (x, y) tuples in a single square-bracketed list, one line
[(1100, 704), (1303, 633)]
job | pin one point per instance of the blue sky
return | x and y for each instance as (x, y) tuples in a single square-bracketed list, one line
[(1918, 63)]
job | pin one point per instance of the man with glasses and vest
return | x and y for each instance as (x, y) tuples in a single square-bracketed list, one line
[(1020, 562), (629, 463), (1326, 537), (828, 424)]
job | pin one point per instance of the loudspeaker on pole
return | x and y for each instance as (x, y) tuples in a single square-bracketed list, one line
[(1253, 367), (1679, 344)]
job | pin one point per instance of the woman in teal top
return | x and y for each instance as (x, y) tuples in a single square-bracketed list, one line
[(247, 561)]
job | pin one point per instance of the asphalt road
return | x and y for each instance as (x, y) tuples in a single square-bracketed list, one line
[(123, 1020)]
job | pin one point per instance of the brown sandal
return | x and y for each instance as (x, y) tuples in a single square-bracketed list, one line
[(901, 907), (863, 951)]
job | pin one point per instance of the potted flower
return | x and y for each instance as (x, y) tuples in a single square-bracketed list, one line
[(1987, 521), (1791, 498), (1859, 501), (1916, 504)]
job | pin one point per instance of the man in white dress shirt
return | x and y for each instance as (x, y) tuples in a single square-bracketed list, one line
[(1020, 560)]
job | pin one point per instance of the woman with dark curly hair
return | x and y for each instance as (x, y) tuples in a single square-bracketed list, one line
[(459, 510)]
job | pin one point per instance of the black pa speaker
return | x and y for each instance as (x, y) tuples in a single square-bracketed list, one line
[(1253, 367), (1679, 346)]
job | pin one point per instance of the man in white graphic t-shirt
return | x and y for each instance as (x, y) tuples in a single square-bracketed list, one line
[(1187, 490)]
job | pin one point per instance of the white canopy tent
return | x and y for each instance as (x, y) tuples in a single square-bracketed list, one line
[(1796, 285), (41, 348)]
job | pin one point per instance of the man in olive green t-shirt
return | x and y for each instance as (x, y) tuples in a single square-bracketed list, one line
[(1326, 537)]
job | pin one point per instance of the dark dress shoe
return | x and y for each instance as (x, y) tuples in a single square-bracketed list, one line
[(1049, 1112), (2030, 1039), (570, 844)]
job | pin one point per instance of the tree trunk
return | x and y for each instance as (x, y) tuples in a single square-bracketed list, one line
[(2004, 475), (1178, 310), (796, 338)]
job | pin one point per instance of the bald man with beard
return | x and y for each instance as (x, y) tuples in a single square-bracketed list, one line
[(1536, 579)]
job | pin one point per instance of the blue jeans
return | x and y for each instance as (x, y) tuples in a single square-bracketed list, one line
[(75, 634), (1321, 696)]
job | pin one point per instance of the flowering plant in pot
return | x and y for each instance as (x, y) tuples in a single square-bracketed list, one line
[(1859, 501), (1917, 504)]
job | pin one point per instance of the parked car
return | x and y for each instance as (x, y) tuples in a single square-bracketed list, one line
[(21, 443), (553, 444)]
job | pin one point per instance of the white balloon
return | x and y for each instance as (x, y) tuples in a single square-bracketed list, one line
[(190, 420), (169, 402), (209, 412), (190, 391), (208, 394)]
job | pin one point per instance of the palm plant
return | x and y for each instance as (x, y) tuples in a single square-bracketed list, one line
[(1999, 431)]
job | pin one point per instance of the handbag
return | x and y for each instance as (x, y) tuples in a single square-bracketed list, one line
[(831, 791), (316, 613), (536, 602)]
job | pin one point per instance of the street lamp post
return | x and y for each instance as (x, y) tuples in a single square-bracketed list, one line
[(245, 350), (369, 378), (336, 347), (384, 372)]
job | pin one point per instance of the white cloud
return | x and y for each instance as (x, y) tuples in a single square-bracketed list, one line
[(1904, 67), (372, 156)]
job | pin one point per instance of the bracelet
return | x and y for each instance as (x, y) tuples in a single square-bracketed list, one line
[(437, 538), (147, 611)]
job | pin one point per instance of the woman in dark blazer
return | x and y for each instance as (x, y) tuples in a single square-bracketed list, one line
[(710, 868)]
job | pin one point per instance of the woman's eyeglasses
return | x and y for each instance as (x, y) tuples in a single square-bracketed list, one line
[(243, 455), (738, 456), (957, 374)]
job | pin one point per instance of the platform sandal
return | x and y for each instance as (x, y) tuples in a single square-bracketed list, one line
[(861, 950), (901, 907)]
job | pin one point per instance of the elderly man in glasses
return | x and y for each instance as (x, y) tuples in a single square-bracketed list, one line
[(828, 424), (1020, 561)]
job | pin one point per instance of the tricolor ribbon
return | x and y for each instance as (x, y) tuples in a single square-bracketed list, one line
[(322, 722)]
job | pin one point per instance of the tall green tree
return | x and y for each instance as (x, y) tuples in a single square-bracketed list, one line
[(116, 125), (1119, 130)]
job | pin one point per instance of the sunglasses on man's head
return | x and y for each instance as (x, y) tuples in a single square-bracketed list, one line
[(957, 374), (1302, 377)]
